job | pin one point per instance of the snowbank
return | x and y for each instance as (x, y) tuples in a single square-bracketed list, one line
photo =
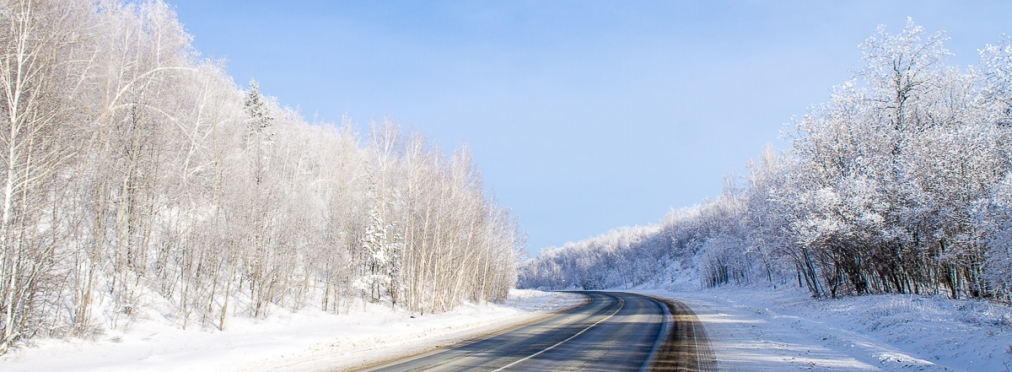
[(761, 329), (307, 340)]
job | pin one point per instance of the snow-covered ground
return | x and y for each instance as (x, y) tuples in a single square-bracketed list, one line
[(751, 329), (304, 341), (761, 329)]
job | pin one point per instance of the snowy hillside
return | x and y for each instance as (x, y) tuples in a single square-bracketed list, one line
[(900, 183), (139, 177), (881, 239)]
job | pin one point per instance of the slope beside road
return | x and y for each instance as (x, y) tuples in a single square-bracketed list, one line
[(308, 340), (784, 329)]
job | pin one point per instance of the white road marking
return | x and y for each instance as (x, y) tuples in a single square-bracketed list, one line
[(621, 304)]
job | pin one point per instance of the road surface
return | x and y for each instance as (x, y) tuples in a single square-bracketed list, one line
[(613, 332)]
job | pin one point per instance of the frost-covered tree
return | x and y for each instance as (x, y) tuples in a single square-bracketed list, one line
[(382, 250), (134, 172), (256, 108)]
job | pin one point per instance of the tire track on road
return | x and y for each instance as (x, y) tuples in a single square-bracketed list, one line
[(687, 347)]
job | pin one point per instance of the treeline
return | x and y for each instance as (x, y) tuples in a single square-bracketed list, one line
[(901, 183), (620, 258), (133, 174)]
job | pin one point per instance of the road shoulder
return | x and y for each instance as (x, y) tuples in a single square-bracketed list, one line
[(353, 359), (763, 329), (686, 346)]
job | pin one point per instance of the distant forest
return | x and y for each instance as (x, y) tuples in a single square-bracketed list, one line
[(135, 175), (900, 183)]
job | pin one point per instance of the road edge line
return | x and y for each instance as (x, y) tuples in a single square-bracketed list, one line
[(662, 336)]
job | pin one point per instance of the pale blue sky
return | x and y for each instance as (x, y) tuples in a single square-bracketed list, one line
[(582, 115)]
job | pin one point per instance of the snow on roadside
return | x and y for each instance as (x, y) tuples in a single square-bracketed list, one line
[(761, 329), (307, 340)]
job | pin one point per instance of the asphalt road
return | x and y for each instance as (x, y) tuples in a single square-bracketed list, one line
[(612, 332)]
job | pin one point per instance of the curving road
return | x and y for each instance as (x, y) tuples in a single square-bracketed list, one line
[(612, 332)]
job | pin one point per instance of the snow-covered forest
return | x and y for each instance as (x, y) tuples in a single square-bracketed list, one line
[(135, 174), (900, 183)]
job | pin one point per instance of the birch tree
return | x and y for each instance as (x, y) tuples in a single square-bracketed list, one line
[(40, 43)]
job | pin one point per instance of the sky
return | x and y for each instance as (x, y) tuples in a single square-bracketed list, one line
[(583, 116)]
